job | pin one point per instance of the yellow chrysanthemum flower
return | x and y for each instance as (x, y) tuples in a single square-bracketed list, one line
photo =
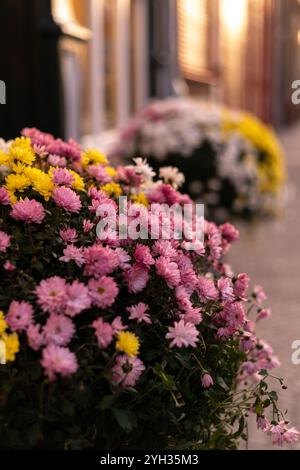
[(3, 324), (21, 150), (19, 167), (16, 182), (12, 197), (93, 156), (271, 171), (78, 183), (5, 158), (19, 142), (32, 174), (128, 343), (112, 189), (12, 346), (44, 186), (40, 181), (111, 171), (141, 199)]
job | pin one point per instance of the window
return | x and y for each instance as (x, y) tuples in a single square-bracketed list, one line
[(192, 38), (104, 60)]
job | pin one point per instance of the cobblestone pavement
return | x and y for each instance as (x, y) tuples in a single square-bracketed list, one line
[(270, 252)]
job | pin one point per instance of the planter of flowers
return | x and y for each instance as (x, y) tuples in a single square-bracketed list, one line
[(115, 341), (231, 161)]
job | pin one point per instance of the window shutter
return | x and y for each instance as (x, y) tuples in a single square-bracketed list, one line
[(193, 37)]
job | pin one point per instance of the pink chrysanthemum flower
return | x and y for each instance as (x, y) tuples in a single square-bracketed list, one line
[(139, 313), (104, 332), (264, 313), (183, 335), (40, 150), (56, 160), (8, 266), (99, 198), (29, 211), (20, 315), (127, 370), (262, 423), (207, 381), (4, 241), (136, 278), (215, 244), (58, 330), (292, 435), (78, 299), (183, 298), (97, 194), (67, 199), (229, 232), (259, 294), (103, 291), (143, 255), (4, 197), (188, 276), (70, 149), (129, 175), (35, 337), (97, 206), (248, 342), (72, 253), (123, 258), (281, 434), (226, 289), (87, 226), (57, 360), (164, 194), (68, 235), (206, 289), (52, 294), (117, 325), (224, 333), (234, 314), (99, 173), (168, 270), (164, 248), (194, 245), (241, 286), (99, 260), (192, 315), (62, 176), (38, 137)]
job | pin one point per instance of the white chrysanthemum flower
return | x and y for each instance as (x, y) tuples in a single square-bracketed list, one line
[(3, 145), (172, 175), (143, 168)]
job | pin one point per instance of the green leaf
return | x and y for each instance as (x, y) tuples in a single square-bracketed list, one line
[(125, 419), (106, 402), (266, 403), (222, 383), (273, 395), (167, 379)]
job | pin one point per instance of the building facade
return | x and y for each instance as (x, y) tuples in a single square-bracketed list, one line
[(93, 63)]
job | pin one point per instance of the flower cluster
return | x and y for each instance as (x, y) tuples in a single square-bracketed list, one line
[(232, 162), (105, 338)]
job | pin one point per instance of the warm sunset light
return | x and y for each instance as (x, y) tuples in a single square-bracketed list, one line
[(192, 23), (234, 13)]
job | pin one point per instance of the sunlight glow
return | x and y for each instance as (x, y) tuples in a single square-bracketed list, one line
[(234, 15)]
